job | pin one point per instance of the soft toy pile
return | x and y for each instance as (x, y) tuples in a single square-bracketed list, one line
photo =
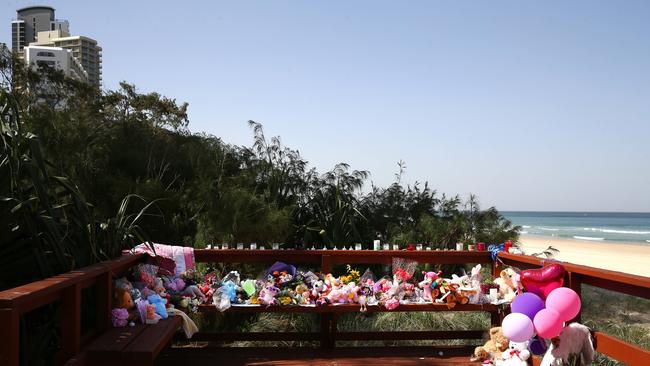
[(282, 285), (150, 294)]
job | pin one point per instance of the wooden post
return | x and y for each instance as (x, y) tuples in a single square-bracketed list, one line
[(71, 322), (326, 340), (326, 264), (103, 291), (9, 337)]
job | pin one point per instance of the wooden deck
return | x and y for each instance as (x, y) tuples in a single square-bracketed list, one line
[(351, 356)]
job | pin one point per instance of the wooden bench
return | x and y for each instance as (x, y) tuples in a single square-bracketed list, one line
[(138, 345)]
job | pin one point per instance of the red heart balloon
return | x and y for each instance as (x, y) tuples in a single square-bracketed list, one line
[(543, 280)]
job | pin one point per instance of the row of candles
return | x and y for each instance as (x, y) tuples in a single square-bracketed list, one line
[(377, 245)]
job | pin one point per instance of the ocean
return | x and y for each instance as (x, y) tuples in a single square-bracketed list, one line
[(592, 226)]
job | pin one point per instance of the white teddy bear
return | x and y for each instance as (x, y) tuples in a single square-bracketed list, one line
[(517, 354)]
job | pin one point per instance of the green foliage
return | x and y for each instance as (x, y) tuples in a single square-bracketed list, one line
[(108, 167)]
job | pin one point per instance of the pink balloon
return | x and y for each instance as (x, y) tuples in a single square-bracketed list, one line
[(542, 281), (548, 323), (517, 327), (565, 301)]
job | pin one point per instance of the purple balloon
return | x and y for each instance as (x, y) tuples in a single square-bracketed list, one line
[(537, 346), (528, 304)]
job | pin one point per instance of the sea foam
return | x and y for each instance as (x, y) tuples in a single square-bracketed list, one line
[(612, 231), (588, 238)]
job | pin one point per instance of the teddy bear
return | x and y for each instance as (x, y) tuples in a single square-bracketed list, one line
[(576, 341), (507, 283), (517, 354), (267, 295), (159, 304), (123, 300), (493, 348)]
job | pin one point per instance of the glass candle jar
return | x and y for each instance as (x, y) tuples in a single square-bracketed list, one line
[(253, 246), (459, 246), (386, 246), (471, 247), (275, 246), (240, 246), (480, 247), (357, 246), (225, 246), (418, 247)]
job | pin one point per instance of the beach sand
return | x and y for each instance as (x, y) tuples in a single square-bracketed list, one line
[(623, 257)]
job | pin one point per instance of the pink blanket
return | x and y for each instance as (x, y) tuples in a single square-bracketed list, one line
[(175, 259)]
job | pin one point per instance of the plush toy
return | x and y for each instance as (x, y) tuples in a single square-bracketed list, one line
[(268, 295), (174, 285), (123, 300), (302, 295), (427, 283), (319, 292), (352, 293), (575, 343), (517, 354), (493, 348), (194, 292), (119, 317), (507, 283), (159, 303), (152, 316)]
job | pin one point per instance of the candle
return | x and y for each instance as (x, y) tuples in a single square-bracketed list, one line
[(395, 246), (418, 247), (481, 247), (357, 246), (493, 295), (471, 247), (376, 245), (240, 246), (386, 246), (253, 246), (225, 246), (275, 246), (459, 246)]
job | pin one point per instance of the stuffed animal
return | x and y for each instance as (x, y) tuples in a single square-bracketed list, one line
[(159, 303), (575, 343), (194, 292), (352, 293), (174, 285), (507, 283), (517, 354), (427, 283), (493, 348), (119, 317), (152, 316), (123, 300), (268, 295)]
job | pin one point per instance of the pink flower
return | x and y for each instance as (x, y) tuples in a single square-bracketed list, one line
[(391, 304)]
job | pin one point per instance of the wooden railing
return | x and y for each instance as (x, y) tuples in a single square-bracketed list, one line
[(576, 276), (67, 287)]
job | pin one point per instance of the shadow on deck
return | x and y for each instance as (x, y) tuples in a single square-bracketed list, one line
[(352, 356)]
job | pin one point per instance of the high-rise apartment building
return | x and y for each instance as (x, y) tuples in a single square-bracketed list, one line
[(56, 58), (29, 21), (37, 26), (84, 49)]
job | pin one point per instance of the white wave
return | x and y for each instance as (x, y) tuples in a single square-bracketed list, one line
[(525, 226), (548, 228), (588, 238), (612, 231), (523, 232)]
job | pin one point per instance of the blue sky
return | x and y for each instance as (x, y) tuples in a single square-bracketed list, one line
[(531, 105)]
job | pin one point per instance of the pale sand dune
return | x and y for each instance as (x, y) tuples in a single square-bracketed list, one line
[(623, 257)]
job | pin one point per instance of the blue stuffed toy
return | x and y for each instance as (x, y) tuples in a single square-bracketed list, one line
[(159, 303), (230, 290)]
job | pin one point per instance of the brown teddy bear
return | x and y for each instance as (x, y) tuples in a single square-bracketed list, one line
[(507, 284), (124, 300), (493, 348)]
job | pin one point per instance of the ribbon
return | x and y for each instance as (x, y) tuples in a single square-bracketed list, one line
[(494, 250), (515, 352)]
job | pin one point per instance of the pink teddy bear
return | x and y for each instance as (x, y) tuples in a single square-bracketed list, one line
[(429, 279)]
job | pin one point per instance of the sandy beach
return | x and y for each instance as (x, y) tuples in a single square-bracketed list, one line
[(623, 257)]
